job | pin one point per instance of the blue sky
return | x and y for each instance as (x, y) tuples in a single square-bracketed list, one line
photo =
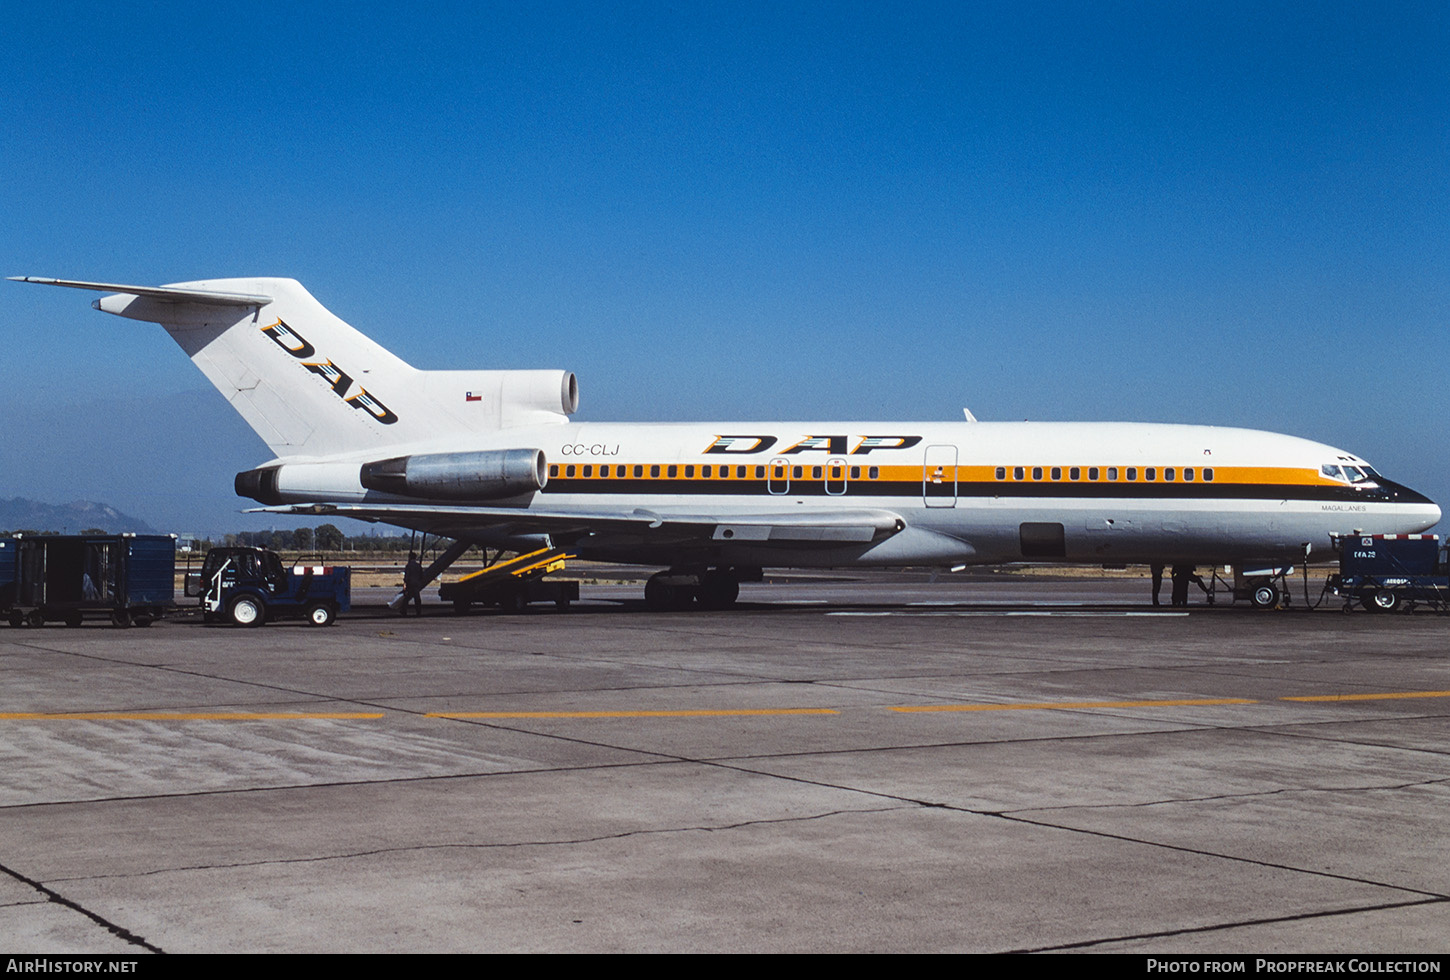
[(1223, 213)]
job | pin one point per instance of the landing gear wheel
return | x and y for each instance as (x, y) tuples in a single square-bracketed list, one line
[(247, 610), (719, 590), (1266, 595), (142, 619), (663, 596), (120, 617), (73, 618), (658, 595), (36, 618), (1382, 600), (319, 614)]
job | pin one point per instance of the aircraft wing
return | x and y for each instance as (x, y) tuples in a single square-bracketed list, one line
[(811, 528)]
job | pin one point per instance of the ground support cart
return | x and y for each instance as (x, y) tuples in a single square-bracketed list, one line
[(1387, 572), (68, 578)]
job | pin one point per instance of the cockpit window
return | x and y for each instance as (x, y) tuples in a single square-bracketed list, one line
[(1349, 474)]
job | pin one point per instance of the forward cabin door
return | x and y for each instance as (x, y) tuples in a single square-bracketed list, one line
[(939, 477)]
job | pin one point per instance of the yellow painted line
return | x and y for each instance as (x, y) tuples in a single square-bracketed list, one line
[(1051, 705), (182, 715), (1372, 697), (701, 713)]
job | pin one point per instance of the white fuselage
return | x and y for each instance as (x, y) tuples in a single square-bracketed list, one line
[(968, 492)]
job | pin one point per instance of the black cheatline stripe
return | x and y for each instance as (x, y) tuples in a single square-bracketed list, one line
[(913, 488)]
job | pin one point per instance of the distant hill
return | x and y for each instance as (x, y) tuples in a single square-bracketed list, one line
[(18, 513)]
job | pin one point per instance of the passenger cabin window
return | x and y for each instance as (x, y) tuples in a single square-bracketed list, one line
[(1092, 472), (1188, 474), (1151, 473), (1168, 474), (1017, 473), (1001, 472), (568, 471), (588, 471), (654, 471), (1112, 473), (1074, 473), (1036, 472), (873, 473), (1132, 472), (1057, 472), (1208, 474), (672, 472)]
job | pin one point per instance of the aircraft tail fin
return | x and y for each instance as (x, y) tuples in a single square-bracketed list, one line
[(311, 385)]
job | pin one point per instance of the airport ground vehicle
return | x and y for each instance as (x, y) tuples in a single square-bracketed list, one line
[(249, 586), (67, 578), (513, 584), (1386, 572)]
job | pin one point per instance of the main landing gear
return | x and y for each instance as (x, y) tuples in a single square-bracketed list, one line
[(681, 589)]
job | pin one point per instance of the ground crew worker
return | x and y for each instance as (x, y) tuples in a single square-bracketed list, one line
[(412, 584)]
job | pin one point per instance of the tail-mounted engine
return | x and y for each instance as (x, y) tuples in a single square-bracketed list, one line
[(484, 475)]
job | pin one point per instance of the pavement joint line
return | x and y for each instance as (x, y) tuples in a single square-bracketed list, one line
[(1392, 696), (688, 712), (492, 845), (52, 895), (1224, 926), (1016, 816)]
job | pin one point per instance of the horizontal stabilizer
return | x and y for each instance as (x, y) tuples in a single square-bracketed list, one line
[(162, 294)]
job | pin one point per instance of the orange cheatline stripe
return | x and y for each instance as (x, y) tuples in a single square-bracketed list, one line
[(701, 713), (1372, 697), (1073, 704), (183, 715)]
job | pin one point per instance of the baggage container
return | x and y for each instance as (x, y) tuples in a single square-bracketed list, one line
[(68, 578)]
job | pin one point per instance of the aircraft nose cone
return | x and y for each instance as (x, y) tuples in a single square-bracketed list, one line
[(1424, 512), (1431, 514)]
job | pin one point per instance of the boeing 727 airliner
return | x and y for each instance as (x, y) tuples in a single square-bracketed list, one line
[(491, 457)]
